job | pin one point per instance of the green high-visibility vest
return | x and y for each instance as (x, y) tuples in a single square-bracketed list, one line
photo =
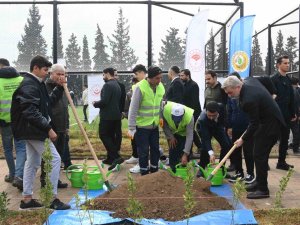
[(148, 113), (7, 88), (186, 119)]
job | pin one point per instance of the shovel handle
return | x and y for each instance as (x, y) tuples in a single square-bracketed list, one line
[(84, 133), (223, 160)]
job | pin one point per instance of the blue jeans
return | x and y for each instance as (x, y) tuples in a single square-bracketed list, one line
[(147, 139), (20, 146)]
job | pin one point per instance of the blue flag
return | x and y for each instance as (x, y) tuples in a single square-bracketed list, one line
[(240, 46)]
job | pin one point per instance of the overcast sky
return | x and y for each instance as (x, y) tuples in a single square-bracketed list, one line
[(82, 20)]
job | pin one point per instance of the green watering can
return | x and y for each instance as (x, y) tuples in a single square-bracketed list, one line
[(181, 171), (217, 179), (94, 179)]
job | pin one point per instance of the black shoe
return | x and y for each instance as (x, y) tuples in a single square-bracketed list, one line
[(258, 194), (231, 168), (163, 158), (249, 179), (199, 174), (235, 177), (284, 166), (251, 187), (58, 205), (32, 204), (18, 183), (60, 184), (115, 162), (8, 179), (107, 161)]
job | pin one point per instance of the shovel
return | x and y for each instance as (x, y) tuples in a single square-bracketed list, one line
[(222, 161), (107, 184)]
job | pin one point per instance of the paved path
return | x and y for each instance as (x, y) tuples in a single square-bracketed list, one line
[(291, 196)]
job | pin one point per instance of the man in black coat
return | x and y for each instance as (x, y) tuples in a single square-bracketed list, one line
[(266, 121), (191, 98), (176, 89), (110, 117), (285, 100)]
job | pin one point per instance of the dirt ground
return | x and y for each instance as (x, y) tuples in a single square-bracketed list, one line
[(162, 197)]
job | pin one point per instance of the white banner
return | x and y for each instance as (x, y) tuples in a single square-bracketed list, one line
[(95, 84), (195, 50)]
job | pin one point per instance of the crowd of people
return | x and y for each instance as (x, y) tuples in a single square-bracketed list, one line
[(252, 114)]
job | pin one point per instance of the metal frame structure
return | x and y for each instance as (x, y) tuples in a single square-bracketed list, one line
[(275, 24), (150, 4)]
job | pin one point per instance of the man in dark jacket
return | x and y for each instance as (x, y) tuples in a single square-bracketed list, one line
[(265, 123), (59, 120), (110, 117), (191, 99), (211, 124), (285, 101), (176, 90), (31, 121), (295, 124)]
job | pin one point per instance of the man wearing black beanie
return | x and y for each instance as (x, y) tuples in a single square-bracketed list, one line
[(143, 119)]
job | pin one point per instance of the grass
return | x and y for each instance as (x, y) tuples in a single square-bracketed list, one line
[(278, 216)]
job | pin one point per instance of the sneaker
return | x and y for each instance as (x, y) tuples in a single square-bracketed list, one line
[(107, 161), (60, 184), (284, 166), (8, 179), (235, 177), (249, 179), (58, 205), (167, 163), (115, 163), (132, 160), (135, 169), (32, 204), (18, 183)]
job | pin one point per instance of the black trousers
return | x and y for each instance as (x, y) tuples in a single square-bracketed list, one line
[(284, 141), (222, 138), (134, 148), (296, 134), (84, 112), (109, 133), (248, 153), (176, 153)]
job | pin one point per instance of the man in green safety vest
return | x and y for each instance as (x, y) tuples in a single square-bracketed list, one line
[(143, 119), (178, 124), (9, 81)]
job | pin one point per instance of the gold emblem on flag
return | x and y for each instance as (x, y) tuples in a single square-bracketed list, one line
[(240, 61)]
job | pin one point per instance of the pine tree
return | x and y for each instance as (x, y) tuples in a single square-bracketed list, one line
[(73, 54), (220, 60), (279, 50), (291, 51), (123, 57), (74, 63), (210, 52), (60, 47), (256, 60), (32, 43), (86, 59), (272, 61), (101, 58), (171, 52)]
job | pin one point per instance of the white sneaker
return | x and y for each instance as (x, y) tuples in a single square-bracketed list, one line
[(132, 160), (135, 169), (167, 162)]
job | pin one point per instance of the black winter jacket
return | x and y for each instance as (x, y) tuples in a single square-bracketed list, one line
[(31, 109), (60, 113)]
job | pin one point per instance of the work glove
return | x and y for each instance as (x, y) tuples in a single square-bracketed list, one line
[(131, 134)]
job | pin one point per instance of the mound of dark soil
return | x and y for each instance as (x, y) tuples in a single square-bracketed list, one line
[(162, 197)]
